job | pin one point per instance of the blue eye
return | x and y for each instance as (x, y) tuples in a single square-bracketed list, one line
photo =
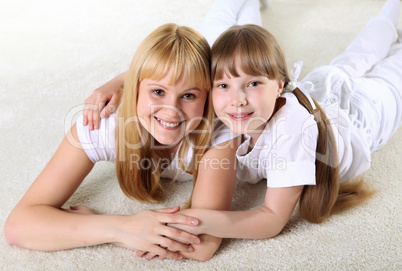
[(223, 86), (189, 96), (253, 84), (158, 92)]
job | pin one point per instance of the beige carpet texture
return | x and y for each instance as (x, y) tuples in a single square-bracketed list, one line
[(53, 54)]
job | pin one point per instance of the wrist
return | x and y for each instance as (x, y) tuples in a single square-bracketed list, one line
[(204, 218), (109, 231)]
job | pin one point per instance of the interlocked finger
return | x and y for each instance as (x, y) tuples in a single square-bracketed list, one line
[(179, 235), (163, 253), (174, 245)]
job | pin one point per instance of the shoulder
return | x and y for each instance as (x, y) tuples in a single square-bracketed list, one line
[(99, 145), (291, 121), (293, 111), (289, 146)]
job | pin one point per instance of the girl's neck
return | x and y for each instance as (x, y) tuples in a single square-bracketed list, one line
[(173, 150), (170, 151), (254, 135)]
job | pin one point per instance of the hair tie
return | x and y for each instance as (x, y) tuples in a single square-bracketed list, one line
[(304, 87)]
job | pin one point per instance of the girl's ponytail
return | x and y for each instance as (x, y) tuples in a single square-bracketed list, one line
[(328, 196)]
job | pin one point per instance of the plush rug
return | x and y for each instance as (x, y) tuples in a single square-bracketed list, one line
[(53, 54)]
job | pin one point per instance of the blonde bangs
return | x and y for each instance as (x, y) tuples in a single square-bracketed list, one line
[(177, 53), (255, 51)]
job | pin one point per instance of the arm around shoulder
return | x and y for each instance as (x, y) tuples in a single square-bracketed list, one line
[(103, 101)]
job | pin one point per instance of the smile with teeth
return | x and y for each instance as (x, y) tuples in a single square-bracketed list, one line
[(169, 124), (240, 116)]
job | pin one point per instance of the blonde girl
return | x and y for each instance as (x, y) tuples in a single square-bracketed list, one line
[(163, 129)]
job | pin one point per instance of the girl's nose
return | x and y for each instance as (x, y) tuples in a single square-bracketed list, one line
[(171, 109), (239, 98)]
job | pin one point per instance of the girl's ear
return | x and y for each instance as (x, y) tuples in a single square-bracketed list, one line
[(281, 83)]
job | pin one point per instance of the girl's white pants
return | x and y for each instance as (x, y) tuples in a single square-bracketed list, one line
[(366, 82)]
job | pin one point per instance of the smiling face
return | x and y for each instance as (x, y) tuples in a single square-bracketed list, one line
[(245, 102), (170, 112), (247, 77)]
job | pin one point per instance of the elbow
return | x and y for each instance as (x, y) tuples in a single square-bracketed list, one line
[(14, 230), (10, 233), (273, 224), (205, 255), (268, 233), (203, 252), (275, 230), (202, 256)]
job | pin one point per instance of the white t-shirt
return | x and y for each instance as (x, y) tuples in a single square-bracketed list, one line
[(285, 152), (100, 145)]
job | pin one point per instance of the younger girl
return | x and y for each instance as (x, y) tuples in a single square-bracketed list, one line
[(308, 139)]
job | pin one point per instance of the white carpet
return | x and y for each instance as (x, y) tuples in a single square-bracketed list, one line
[(53, 54)]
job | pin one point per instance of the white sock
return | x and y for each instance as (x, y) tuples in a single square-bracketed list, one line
[(390, 11)]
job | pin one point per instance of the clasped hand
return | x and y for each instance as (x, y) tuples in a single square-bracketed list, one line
[(148, 232)]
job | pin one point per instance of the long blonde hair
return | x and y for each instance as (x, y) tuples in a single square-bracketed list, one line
[(261, 55), (186, 54)]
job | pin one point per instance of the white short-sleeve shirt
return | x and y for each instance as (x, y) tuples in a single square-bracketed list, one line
[(284, 154), (100, 145)]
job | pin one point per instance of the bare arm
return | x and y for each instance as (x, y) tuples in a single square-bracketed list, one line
[(39, 207), (263, 222), (214, 191), (37, 222)]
